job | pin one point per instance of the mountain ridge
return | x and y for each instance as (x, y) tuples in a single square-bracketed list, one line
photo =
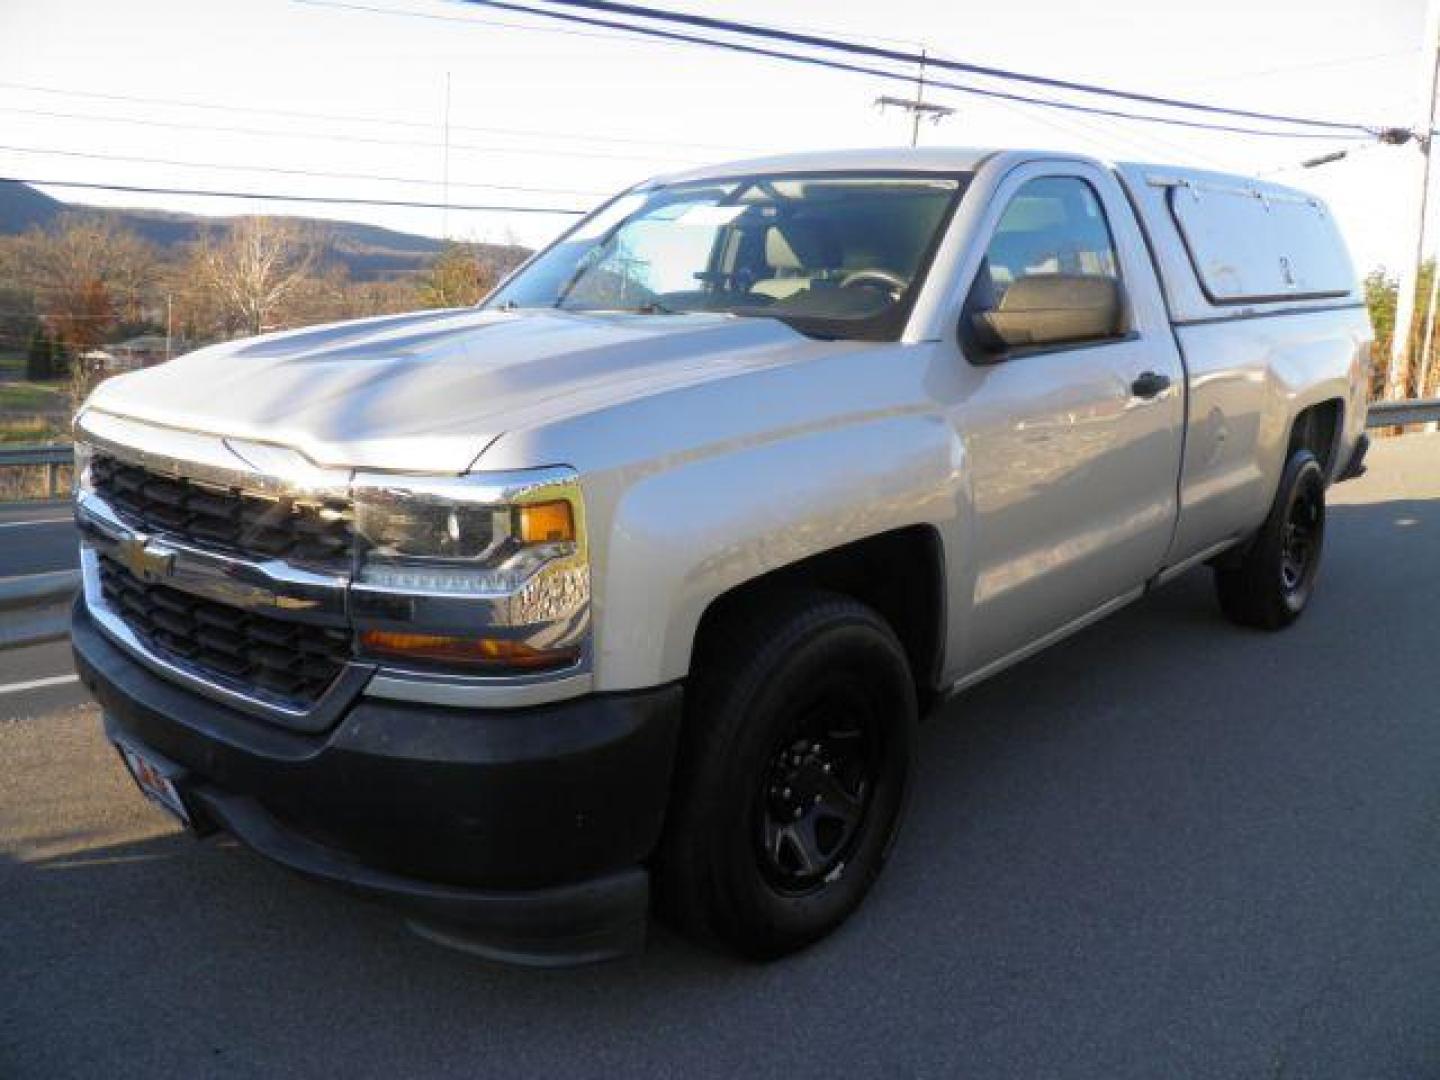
[(368, 252)]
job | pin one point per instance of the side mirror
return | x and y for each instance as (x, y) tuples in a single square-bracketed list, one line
[(1053, 309)]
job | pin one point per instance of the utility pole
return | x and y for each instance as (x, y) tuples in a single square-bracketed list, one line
[(919, 99), (1427, 339), (169, 327), (445, 166), (1397, 378), (918, 107)]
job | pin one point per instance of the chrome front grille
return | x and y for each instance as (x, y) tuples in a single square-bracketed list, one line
[(292, 663), (226, 519)]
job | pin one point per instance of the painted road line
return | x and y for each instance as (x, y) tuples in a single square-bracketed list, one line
[(37, 521), (38, 684)]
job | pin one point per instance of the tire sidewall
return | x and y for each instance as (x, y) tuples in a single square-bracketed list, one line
[(852, 650), (1303, 475)]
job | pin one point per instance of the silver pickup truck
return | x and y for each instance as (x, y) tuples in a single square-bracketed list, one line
[(626, 588)]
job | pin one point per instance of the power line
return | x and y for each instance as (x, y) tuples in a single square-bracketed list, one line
[(619, 38), (371, 140), (353, 118), (900, 56), (1314, 65), (275, 197), (434, 17), (339, 137), (1148, 143), (839, 65), (266, 169), (672, 38), (1091, 130)]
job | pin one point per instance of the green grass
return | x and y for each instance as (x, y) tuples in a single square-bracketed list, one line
[(34, 397)]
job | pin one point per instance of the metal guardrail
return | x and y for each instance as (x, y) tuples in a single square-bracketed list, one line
[(51, 457), (51, 454), (38, 590), (1407, 411), (35, 608)]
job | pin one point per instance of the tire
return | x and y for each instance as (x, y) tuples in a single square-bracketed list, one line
[(793, 775), (1271, 583)]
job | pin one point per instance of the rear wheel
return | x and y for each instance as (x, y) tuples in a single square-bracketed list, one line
[(793, 776), (1270, 584)]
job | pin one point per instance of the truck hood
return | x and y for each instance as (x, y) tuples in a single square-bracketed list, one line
[(429, 392)]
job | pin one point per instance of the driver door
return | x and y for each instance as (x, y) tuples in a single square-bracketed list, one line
[(1073, 446)]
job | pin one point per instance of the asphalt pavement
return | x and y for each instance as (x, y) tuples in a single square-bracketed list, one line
[(35, 682), (1165, 848), (37, 537)]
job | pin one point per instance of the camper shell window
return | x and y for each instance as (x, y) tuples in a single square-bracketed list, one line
[(1250, 245)]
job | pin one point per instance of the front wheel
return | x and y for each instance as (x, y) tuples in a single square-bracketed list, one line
[(1270, 584), (793, 775)]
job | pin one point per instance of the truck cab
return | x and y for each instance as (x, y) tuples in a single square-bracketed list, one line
[(627, 589)]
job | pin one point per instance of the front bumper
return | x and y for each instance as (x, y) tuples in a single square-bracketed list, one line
[(521, 831)]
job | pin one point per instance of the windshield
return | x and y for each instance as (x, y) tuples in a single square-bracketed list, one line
[(832, 255)]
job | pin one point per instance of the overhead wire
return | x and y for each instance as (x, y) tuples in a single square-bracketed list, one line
[(330, 117), (281, 170), (518, 151), (278, 197), (1145, 142), (908, 78), (1077, 111), (791, 37)]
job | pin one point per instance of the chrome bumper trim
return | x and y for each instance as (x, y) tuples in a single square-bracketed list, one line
[(508, 693)]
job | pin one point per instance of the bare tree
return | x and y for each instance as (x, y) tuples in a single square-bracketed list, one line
[(89, 274), (456, 277), (255, 266)]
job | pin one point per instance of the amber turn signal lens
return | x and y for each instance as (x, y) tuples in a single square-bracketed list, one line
[(547, 523), (486, 652)]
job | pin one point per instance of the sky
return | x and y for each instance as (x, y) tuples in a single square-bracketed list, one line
[(261, 96)]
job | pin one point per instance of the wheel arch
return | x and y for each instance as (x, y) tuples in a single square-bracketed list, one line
[(899, 573), (1318, 428)]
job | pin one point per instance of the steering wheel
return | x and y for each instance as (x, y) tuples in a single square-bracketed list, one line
[(892, 283)]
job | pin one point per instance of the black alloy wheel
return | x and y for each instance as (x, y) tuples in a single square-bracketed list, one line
[(793, 773), (816, 791), (1269, 582)]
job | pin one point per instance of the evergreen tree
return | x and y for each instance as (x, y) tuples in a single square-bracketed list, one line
[(40, 360)]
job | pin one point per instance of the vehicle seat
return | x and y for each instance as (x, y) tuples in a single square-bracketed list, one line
[(798, 253)]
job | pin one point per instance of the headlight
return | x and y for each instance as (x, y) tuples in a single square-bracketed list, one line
[(462, 536), (484, 571)]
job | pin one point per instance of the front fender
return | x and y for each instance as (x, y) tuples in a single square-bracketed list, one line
[(683, 536)]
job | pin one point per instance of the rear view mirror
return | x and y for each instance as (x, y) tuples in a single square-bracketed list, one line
[(1053, 309)]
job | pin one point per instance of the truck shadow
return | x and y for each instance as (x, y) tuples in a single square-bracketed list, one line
[(1141, 844)]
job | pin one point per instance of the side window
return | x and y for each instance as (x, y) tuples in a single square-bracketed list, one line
[(1053, 225)]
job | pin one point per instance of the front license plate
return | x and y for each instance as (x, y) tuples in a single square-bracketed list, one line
[(153, 778)]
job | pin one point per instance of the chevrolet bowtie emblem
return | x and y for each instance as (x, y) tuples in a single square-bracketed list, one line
[(146, 559)]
